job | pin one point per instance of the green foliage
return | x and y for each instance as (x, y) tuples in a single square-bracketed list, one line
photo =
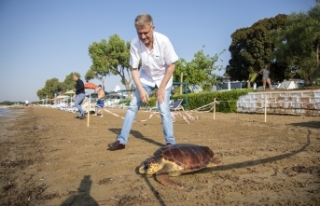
[(125, 101), (228, 99), (253, 47), (53, 86), (110, 58), (7, 103), (298, 44), (151, 103), (68, 82), (199, 71), (90, 75)]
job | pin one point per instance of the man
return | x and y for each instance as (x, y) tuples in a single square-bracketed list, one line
[(80, 95), (100, 101), (158, 59)]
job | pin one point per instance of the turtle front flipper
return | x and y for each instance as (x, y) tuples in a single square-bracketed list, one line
[(163, 177), (215, 161)]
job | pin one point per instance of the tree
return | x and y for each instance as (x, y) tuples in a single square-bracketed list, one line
[(68, 82), (110, 58), (51, 87), (314, 26), (298, 44), (91, 74), (199, 72), (252, 48)]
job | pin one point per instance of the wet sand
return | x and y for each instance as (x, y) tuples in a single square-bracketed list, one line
[(50, 158)]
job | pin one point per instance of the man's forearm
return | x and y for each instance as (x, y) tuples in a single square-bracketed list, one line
[(136, 78), (167, 76)]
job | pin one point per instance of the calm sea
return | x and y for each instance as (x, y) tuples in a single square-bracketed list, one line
[(5, 112)]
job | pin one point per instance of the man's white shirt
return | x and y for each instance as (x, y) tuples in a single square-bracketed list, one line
[(154, 63)]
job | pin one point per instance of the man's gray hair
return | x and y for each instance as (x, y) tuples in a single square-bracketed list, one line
[(143, 19)]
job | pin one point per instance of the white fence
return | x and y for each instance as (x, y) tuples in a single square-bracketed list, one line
[(281, 102)]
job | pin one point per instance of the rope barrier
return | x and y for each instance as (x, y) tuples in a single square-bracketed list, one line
[(151, 115), (184, 118), (243, 106), (200, 109), (116, 115)]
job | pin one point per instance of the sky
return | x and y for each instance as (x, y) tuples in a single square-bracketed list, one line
[(44, 39)]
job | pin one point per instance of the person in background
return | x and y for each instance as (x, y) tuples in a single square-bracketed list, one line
[(265, 76), (157, 57), (26, 103), (100, 101), (80, 95)]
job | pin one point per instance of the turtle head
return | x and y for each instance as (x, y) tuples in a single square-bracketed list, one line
[(149, 166)]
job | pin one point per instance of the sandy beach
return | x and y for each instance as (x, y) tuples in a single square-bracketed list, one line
[(50, 158)]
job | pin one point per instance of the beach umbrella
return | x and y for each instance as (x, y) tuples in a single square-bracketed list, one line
[(61, 97), (90, 85), (70, 92)]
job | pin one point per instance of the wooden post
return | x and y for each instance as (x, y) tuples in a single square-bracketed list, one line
[(88, 112), (181, 80), (265, 109), (214, 109)]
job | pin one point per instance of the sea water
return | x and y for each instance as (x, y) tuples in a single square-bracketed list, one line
[(5, 112)]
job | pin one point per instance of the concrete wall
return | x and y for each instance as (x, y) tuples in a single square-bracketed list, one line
[(304, 102)]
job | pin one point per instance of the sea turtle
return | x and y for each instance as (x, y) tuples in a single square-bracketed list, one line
[(177, 159)]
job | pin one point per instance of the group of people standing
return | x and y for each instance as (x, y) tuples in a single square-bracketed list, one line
[(80, 96)]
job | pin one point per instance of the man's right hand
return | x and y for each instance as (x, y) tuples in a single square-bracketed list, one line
[(144, 97)]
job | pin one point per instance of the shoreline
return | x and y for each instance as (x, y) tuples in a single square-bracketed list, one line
[(8, 119)]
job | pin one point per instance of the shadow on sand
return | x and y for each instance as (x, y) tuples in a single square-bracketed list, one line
[(137, 135), (82, 197), (152, 189), (312, 124), (259, 161)]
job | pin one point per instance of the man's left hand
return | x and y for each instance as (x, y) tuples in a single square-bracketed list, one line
[(160, 95)]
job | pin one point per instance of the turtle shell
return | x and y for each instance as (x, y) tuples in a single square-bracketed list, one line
[(187, 156)]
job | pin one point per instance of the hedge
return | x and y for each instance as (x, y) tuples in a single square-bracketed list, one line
[(197, 100), (125, 102), (151, 103)]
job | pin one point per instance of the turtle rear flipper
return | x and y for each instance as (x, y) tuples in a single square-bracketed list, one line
[(164, 179)]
